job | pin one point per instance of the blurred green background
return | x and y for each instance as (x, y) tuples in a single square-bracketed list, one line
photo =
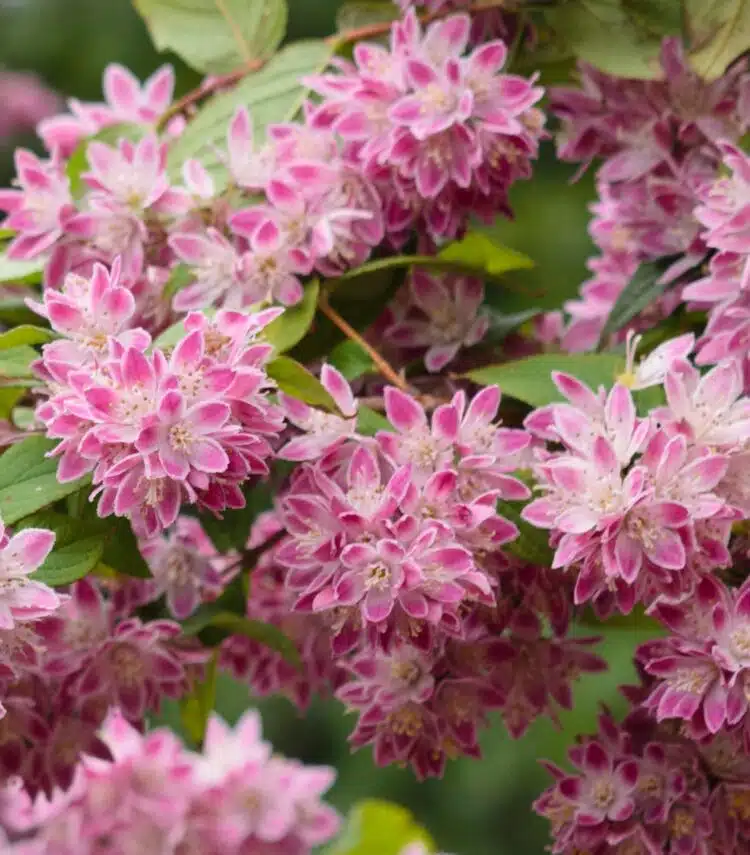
[(480, 808)]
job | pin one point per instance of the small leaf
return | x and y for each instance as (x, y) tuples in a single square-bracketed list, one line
[(477, 254), (297, 381), (78, 547), (15, 362), (9, 397), (532, 544), (26, 334), (196, 708), (211, 617), (28, 479), (272, 95), (351, 359), (530, 379), (363, 13), (179, 277), (290, 328), (643, 289), (29, 272), (216, 36), (377, 827), (369, 421)]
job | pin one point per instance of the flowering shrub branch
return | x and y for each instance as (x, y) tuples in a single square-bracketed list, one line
[(205, 472)]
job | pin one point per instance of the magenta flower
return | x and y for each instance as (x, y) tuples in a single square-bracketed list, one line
[(21, 598)]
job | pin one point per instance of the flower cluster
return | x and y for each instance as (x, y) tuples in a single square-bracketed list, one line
[(662, 143), (642, 789), (157, 431), (394, 545), (156, 796), (643, 507)]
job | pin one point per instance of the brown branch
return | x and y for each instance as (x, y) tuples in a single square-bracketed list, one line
[(380, 363)]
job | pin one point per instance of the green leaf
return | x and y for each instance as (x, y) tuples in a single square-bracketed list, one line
[(179, 277), (79, 547), (212, 617), (79, 159), (233, 529), (15, 362), (28, 479), (272, 95), (351, 359), (216, 36), (196, 708), (29, 272), (476, 254), (362, 13), (297, 381), (26, 334), (638, 294), (369, 421), (14, 311), (290, 328), (532, 544), (654, 17), (9, 397), (530, 379), (376, 827), (121, 551), (719, 32), (603, 33)]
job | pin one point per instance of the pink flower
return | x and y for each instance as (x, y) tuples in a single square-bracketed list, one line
[(23, 599)]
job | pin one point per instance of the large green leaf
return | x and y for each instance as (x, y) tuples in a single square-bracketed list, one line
[(25, 334), (290, 328), (376, 827), (21, 271), (607, 35), (15, 362), (79, 547), (363, 13), (297, 381), (14, 311), (351, 359), (28, 479), (370, 421), (216, 36), (718, 33), (273, 94), (232, 530), (530, 379)]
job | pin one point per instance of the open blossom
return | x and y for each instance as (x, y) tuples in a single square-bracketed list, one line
[(448, 317), (21, 598), (126, 100)]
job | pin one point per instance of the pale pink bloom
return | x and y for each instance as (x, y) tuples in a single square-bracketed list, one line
[(450, 319), (652, 370), (322, 431), (40, 209), (21, 598), (248, 168), (126, 101)]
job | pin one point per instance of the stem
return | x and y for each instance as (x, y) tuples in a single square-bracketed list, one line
[(207, 88), (381, 364)]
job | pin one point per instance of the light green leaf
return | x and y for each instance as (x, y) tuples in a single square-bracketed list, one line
[(196, 707), (272, 95), (643, 289), (26, 334), (362, 13), (476, 254), (9, 397), (369, 421), (28, 479), (298, 382), (79, 160), (351, 359), (179, 277), (14, 311), (290, 328), (78, 548), (376, 827), (530, 379), (719, 32), (15, 363), (29, 272), (216, 36), (604, 34), (654, 17)]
